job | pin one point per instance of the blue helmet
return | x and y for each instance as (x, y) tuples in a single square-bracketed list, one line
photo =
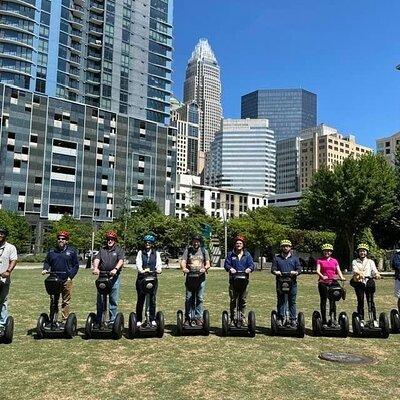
[(149, 238)]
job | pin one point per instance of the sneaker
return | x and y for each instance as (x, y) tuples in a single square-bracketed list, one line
[(187, 322), (279, 323), (199, 322), (362, 323), (376, 324), (138, 324), (293, 323), (153, 324)]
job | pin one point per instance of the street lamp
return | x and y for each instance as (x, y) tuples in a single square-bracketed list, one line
[(224, 216)]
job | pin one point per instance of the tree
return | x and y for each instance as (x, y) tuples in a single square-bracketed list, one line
[(148, 206), (18, 228), (354, 196)]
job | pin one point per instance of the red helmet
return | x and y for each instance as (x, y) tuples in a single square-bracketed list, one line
[(63, 233), (241, 238), (111, 235)]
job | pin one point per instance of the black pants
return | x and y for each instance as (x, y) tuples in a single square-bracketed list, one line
[(361, 291), (323, 296), (141, 297)]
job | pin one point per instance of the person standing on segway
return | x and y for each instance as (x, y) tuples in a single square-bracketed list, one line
[(8, 261), (364, 269), (286, 262), (149, 259), (63, 262), (109, 259), (195, 258), (327, 270), (238, 260)]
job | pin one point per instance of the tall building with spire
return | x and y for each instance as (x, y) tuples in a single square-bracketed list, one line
[(203, 85)]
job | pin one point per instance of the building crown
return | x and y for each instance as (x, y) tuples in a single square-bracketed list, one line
[(203, 52)]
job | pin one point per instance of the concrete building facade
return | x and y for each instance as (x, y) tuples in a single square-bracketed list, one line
[(388, 146)]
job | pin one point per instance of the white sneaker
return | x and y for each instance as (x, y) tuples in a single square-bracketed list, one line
[(138, 324), (376, 324), (362, 323), (153, 324)]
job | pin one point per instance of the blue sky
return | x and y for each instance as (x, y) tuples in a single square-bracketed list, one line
[(345, 51)]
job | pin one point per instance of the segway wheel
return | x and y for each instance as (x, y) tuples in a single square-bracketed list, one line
[(251, 320), (225, 323), (160, 324), (344, 324), (206, 322), (316, 323), (132, 325), (70, 326), (384, 325), (356, 325), (179, 323), (89, 325), (301, 325), (41, 322), (118, 326), (395, 321), (274, 323), (8, 330)]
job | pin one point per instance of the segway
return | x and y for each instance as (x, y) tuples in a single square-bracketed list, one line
[(6, 330), (238, 325), (193, 281), (285, 283), (113, 329), (395, 320), (49, 325), (372, 328), (335, 326), (148, 285)]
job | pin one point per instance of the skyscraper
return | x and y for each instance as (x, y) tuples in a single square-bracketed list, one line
[(242, 157), (203, 85), (115, 55), (288, 110)]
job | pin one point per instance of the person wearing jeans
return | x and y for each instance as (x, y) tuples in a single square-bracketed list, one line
[(109, 259), (8, 260), (147, 259), (238, 260), (195, 259), (286, 262)]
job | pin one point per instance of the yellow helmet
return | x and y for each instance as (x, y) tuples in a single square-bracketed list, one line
[(327, 246), (286, 242), (363, 246)]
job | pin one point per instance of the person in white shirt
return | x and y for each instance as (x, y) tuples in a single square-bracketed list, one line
[(147, 259), (364, 270), (8, 261)]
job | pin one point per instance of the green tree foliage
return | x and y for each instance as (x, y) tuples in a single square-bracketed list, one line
[(353, 197), (80, 233), (18, 228)]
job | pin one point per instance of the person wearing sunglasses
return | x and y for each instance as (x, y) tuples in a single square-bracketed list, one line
[(109, 259), (63, 261)]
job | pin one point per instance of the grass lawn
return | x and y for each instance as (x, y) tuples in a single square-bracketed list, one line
[(198, 367)]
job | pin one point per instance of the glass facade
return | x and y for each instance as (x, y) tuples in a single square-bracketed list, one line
[(287, 165), (242, 157), (111, 54), (288, 110)]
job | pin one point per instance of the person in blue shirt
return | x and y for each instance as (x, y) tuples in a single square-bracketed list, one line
[(285, 261), (63, 261), (238, 260)]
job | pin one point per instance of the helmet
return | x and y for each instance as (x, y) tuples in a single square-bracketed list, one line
[(239, 237), (327, 246), (197, 237), (363, 246), (63, 233), (286, 242), (149, 238), (4, 230), (111, 235)]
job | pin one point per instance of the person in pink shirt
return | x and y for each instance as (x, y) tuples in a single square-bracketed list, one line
[(328, 271)]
